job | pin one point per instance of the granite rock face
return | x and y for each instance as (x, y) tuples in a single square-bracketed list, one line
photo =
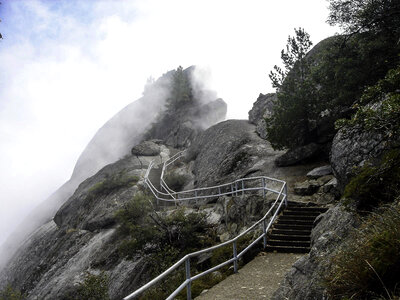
[(146, 148), (298, 155), (352, 148), (262, 109), (229, 150)]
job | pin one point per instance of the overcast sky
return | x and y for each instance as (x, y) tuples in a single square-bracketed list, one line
[(68, 66)]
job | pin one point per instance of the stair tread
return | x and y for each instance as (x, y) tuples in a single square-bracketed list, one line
[(288, 249)]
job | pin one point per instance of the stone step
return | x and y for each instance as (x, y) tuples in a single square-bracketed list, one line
[(301, 213), (288, 243), (287, 237), (286, 249), (293, 227), (295, 222), (290, 232), (312, 209), (294, 203), (297, 218)]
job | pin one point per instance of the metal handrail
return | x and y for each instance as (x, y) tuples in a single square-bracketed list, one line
[(280, 200)]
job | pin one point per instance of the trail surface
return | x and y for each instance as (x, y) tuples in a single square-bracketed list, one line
[(256, 280)]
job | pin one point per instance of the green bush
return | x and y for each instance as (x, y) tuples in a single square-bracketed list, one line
[(375, 184), (111, 183), (10, 294), (368, 265), (163, 238), (94, 287)]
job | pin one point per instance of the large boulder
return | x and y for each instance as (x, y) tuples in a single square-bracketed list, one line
[(262, 109), (352, 148), (146, 148), (298, 155), (319, 172), (229, 150)]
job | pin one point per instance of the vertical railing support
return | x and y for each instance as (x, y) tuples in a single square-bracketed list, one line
[(263, 186), (242, 187), (235, 262), (265, 234), (286, 194), (236, 185), (219, 191), (189, 285)]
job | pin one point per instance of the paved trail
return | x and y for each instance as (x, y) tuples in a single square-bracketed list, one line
[(257, 280)]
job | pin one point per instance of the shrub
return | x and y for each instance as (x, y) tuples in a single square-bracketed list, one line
[(111, 183), (166, 237), (368, 265), (9, 293), (163, 238), (94, 287)]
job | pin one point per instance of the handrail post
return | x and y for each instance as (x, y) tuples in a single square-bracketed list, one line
[(286, 195), (242, 187), (219, 191), (263, 186), (236, 186), (265, 234), (235, 263), (189, 285), (232, 190)]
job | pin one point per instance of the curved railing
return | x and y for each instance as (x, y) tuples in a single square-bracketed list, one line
[(233, 188)]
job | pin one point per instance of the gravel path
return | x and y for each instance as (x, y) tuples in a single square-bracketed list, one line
[(257, 280)]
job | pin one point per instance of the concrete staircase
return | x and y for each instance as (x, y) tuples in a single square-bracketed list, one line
[(291, 232)]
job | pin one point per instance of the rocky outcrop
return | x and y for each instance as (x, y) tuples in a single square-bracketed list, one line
[(179, 127), (262, 109), (94, 203), (304, 280), (352, 148), (229, 150), (147, 148), (298, 155)]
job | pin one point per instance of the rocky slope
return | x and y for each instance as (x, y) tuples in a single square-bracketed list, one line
[(82, 236), (116, 137)]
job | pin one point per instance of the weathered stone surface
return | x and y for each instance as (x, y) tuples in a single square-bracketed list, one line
[(330, 185), (306, 188), (304, 280), (319, 172), (94, 203), (261, 109), (229, 150), (352, 148), (298, 155), (146, 148)]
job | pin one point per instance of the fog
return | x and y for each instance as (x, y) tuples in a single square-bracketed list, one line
[(67, 67)]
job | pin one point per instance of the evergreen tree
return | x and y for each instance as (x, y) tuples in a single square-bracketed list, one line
[(181, 89), (289, 126)]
